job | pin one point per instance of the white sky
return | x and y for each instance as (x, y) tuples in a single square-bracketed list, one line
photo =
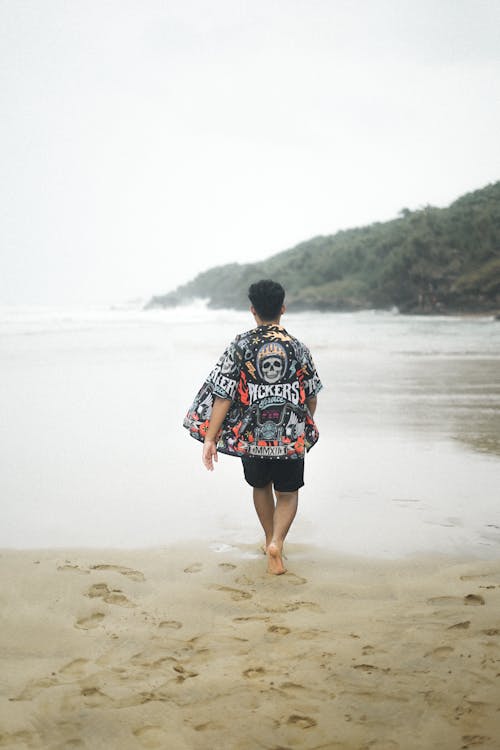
[(142, 141)]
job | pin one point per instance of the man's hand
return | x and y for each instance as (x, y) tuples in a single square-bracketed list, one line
[(219, 411), (209, 454)]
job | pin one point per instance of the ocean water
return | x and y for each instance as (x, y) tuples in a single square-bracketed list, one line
[(93, 453)]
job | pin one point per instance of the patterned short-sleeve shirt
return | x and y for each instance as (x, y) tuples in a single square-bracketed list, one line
[(268, 375)]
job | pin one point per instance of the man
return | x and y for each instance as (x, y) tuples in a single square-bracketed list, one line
[(258, 403)]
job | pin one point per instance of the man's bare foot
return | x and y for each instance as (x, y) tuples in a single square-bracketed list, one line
[(263, 549), (274, 560)]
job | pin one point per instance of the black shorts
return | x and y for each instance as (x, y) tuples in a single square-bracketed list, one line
[(287, 476)]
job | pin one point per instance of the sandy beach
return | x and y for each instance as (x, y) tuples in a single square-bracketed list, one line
[(196, 646)]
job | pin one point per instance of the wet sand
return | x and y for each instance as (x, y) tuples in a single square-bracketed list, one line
[(193, 647), (92, 409)]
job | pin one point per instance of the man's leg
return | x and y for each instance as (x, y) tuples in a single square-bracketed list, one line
[(284, 513), (263, 499)]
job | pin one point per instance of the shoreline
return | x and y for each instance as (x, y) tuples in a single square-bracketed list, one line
[(191, 647), (493, 313)]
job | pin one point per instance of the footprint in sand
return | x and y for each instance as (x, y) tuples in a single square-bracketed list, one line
[(366, 668), (491, 631), (34, 688), (183, 673), (152, 660), (95, 698), (70, 568), (194, 568), (98, 589), (231, 644), (208, 726), (119, 599), (304, 722), (292, 606), (474, 740), (460, 625), (170, 624), (253, 672), (244, 581), (367, 650), (134, 575), (278, 629), (292, 686), (470, 599), (156, 655), (441, 652), (444, 600), (474, 599), (311, 634), (110, 596), (235, 594), (75, 668), (227, 566), (88, 623), (152, 696), (254, 618), (151, 736), (295, 580)]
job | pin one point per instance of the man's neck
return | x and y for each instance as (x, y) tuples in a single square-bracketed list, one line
[(261, 322)]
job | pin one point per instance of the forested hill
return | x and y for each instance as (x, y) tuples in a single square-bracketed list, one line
[(430, 260)]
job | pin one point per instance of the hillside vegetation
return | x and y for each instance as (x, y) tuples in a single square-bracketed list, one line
[(425, 261)]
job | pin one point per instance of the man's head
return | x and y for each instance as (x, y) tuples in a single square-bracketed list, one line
[(267, 299)]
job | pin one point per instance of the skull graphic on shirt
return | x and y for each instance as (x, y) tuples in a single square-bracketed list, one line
[(272, 362)]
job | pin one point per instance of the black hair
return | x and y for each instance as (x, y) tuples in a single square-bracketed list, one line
[(267, 298)]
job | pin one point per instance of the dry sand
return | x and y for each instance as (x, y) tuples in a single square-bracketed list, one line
[(189, 647)]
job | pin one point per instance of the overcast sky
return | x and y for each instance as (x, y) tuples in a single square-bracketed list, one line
[(142, 141)]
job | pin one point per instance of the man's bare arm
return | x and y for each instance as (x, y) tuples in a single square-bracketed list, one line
[(219, 412), (312, 403)]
